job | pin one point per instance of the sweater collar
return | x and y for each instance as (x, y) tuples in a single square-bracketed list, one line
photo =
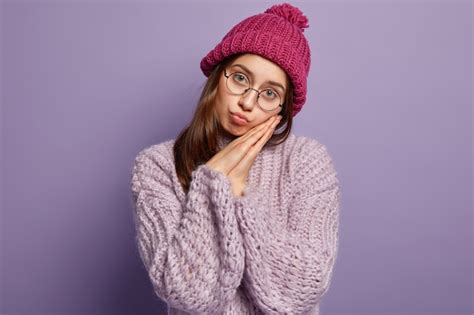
[(224, 139)]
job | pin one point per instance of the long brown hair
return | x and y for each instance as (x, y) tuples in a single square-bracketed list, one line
[(197, 143)]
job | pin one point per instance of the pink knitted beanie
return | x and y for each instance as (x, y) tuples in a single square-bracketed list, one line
[(276, 34)]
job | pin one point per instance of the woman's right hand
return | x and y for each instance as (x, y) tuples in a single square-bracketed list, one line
[(230, 156)]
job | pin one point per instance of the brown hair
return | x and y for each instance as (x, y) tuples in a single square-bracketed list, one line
[(197, 143)]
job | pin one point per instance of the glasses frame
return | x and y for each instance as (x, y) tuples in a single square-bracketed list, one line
[(249, 88)]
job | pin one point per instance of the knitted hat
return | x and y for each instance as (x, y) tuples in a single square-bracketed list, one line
[(276, 34)]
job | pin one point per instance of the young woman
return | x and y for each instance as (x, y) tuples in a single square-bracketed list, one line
[(234, 217)]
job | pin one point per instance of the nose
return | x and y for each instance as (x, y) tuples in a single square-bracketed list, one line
[(248, 99)]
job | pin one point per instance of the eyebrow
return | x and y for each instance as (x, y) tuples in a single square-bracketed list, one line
[(251, 73)]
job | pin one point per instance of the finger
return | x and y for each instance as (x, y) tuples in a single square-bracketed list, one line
[(259, 132), (232, 156), (268, 134), (252, 150), (238, 148), (251, 134), (256, 129)]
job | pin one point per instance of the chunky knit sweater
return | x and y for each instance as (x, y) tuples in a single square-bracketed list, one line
[(270, 251)]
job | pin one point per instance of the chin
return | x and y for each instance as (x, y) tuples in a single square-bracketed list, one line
[(236, 130)]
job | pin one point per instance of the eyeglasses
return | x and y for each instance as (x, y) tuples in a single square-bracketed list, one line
[(238, 84)]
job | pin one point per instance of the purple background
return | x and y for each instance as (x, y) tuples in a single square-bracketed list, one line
[(87, 84)]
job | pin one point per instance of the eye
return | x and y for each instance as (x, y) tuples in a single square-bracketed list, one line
[(240, 77), (270, 93)]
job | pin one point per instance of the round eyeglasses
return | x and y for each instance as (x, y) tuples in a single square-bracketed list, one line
[(238, 84)]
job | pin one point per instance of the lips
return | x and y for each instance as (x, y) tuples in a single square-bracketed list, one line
[(241, 116), (238, 120)]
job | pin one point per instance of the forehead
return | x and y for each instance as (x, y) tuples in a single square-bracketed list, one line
[(261, 67)]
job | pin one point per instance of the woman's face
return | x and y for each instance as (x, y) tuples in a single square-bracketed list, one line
[(258, 71)]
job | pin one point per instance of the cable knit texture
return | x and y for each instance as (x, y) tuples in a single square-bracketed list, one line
[(270, 251)]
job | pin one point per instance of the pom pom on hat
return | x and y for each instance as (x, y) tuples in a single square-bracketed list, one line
[(290, 13)]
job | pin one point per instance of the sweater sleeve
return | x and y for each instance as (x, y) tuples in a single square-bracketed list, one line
[(288, 269), (193, 252)]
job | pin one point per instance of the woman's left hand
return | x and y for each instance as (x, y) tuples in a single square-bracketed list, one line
[(238, 175)]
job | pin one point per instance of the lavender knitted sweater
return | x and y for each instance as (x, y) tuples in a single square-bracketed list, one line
[(271, 251)]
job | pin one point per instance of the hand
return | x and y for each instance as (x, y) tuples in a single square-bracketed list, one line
[(238, 175), (236, 159)]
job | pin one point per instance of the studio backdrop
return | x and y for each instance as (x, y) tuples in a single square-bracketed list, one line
[(86, 85)]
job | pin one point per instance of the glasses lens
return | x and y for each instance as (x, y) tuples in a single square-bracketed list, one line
[(269, 99), (237, 83)]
